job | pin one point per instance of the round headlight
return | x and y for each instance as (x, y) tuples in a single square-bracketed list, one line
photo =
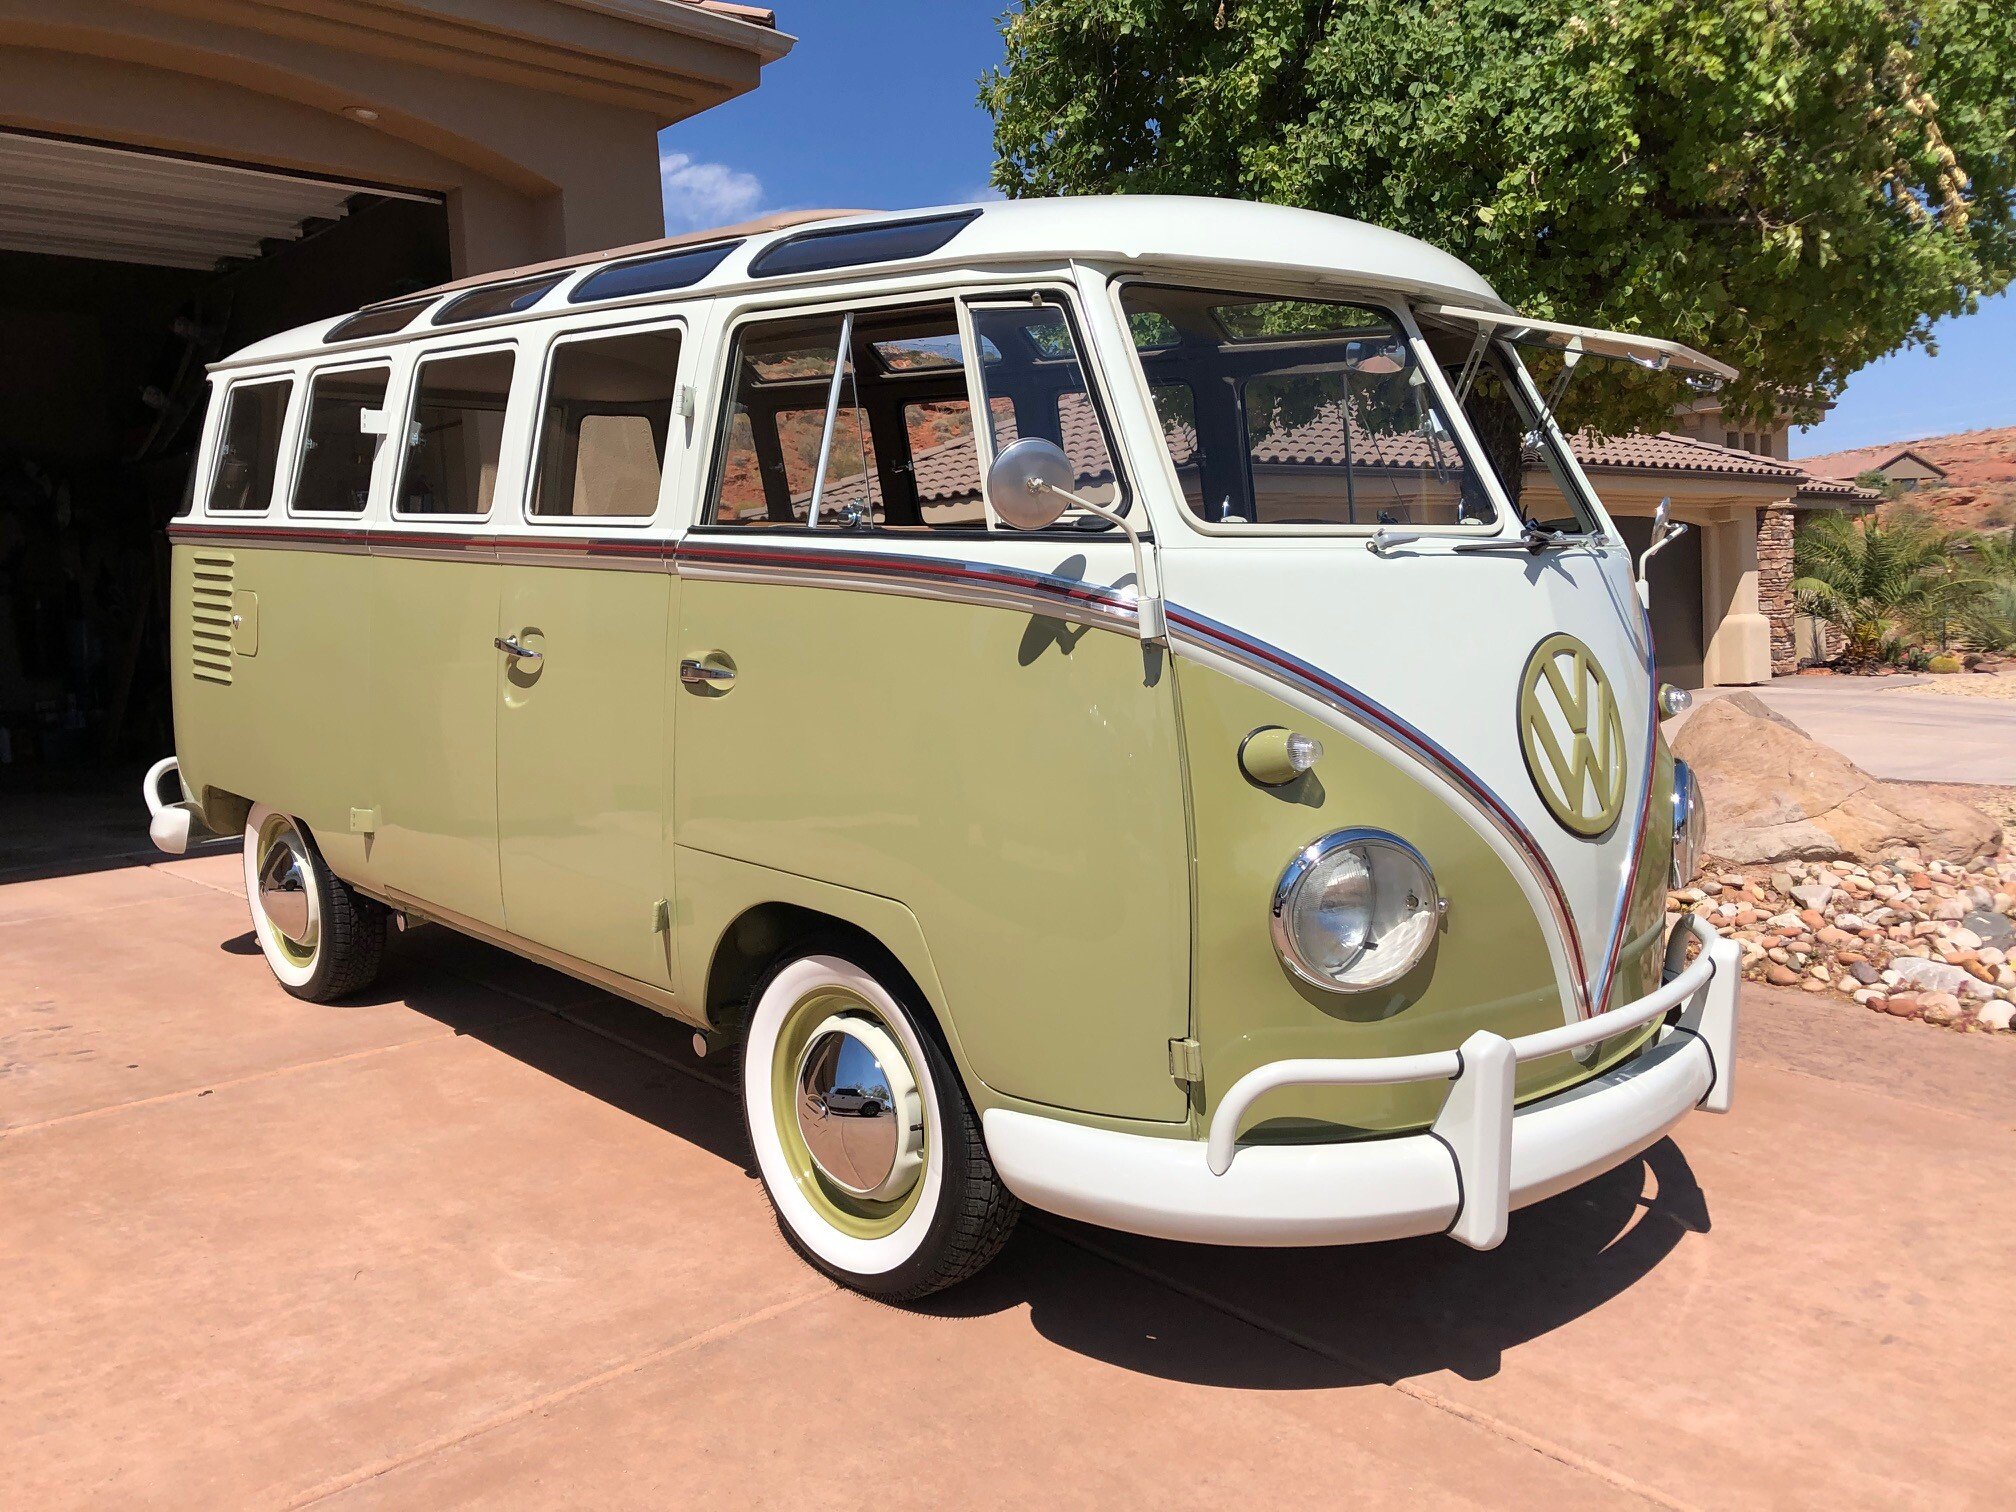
[(1355, 909)]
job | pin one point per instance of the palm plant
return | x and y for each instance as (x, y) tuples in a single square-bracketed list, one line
[(1872, 581), (1988, 618)]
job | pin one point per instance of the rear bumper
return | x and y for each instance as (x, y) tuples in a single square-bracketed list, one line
[(1480, 1160)]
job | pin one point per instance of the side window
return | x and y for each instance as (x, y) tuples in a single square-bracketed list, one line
[(336, 453), (455, 434), (882, 396), (603, 424), (1036, 387), (781, 379), (248, 455)]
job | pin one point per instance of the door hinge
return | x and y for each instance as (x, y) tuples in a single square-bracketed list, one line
[(661, 916), (364, 821), (1186, 1060)]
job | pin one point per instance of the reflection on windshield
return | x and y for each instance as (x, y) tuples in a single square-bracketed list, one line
[(1298, 412)]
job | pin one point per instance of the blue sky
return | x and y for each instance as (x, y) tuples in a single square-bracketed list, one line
[(874, 108)]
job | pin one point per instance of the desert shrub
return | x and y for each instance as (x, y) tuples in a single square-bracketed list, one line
[(1874, 582), (1945, 661)]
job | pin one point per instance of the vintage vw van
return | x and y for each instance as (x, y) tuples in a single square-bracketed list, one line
[(1122, 705)]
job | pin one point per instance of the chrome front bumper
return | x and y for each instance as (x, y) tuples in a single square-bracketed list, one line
[(1479, 1160)]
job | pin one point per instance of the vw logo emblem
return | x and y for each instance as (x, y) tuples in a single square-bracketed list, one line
[(1572, 735)]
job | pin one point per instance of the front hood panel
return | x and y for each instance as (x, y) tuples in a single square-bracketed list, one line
[(1427, 650)]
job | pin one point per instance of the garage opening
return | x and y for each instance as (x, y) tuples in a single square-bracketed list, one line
[(1679, 629), (123, 273)]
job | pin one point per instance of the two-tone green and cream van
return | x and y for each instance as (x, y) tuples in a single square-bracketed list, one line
[(1061, 688)]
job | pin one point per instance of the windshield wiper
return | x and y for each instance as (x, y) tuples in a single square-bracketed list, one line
[(1533, 538)]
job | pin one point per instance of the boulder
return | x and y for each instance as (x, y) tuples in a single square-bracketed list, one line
[(1775, 794)]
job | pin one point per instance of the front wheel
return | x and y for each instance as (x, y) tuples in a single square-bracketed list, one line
[(891, 1192), (323, 939)]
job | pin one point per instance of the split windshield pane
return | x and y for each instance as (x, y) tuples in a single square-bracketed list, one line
[(1298, 412)]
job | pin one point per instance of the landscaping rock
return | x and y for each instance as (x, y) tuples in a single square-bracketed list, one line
[(1773, 794), (1995, 1015), (1930, 976), (1992, 928)]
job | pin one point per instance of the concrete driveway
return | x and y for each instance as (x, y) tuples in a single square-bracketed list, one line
[(490, 1236), (1891, 732)]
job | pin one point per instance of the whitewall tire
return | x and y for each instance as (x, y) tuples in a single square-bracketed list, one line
[(867, 1146), (323, 939)]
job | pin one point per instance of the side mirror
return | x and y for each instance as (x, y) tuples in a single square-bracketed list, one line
[(1664, 531), (1029, 483)]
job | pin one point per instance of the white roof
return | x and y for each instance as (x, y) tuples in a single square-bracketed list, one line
[(1232, 235)]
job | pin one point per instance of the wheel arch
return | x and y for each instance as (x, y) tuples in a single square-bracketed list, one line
[(739, 919)]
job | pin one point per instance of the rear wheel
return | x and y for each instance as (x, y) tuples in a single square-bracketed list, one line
[(867, 1146), (323, 939)]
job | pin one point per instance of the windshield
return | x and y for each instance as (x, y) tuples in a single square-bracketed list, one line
[(1299, 412)]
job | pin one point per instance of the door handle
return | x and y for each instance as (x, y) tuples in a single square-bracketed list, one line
[(510, 646), (696, 673)]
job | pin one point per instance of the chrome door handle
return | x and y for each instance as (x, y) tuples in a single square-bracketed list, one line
[(510, 646), (702, 674)]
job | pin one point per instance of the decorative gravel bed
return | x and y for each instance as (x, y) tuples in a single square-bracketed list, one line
[(1965, 685), (1934, 942)]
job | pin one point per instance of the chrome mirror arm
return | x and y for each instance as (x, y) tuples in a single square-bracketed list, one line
[(1154, 622)]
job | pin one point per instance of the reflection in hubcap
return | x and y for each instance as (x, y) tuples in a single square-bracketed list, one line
[(848, 1112), (283, 891)]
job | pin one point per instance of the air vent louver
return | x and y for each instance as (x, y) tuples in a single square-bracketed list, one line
[(210, 631)]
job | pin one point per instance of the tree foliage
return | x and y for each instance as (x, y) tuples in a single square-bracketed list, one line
[(1797, 186)]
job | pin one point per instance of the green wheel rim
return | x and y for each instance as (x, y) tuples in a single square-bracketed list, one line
[(857, 1217), (270, 833)]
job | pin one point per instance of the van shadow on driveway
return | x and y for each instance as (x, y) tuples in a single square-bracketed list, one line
[(1358, 1315)]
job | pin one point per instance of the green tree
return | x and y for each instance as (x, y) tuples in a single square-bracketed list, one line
[(1871, 581), (1797, 186)]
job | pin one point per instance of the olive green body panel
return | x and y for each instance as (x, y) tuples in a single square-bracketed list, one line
[(1489, 967), (1013, 779), (292, 724), (432, 775), (584, 764)]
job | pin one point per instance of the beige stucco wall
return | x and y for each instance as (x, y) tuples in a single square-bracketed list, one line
[(532, 165)]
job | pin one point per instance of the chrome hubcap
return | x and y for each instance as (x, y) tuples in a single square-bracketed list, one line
[(856, 1099), (283, 891)]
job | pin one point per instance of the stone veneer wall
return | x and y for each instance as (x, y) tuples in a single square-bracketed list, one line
[(1774, 585)]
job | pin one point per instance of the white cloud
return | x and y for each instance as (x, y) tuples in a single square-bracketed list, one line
[(698, 195)]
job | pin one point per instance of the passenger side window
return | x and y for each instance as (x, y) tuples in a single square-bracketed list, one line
[(248, 455), (882, 396), (336, 452), (455, 434), (604, 422)]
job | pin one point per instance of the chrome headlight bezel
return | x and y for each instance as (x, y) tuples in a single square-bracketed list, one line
[(1690, 825), (1390, 861)]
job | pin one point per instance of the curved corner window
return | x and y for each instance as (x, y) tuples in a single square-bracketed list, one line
[(850, 246), (248, 452), (379, 320), (651, 275), (496, 299)]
